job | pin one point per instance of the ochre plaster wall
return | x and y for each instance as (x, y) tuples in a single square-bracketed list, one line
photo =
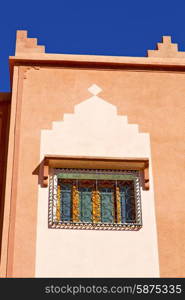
[(152, 99)]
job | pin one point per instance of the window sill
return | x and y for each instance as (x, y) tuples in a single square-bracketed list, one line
[(98, 226)]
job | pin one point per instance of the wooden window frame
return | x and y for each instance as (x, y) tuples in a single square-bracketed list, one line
[(51, 162)]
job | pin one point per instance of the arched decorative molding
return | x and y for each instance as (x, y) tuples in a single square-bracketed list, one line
[(95, 136), (95, 129)]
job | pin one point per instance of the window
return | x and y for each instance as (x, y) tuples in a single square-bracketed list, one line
[(94, 199)]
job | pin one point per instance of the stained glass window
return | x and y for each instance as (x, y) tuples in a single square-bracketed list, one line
[(94, 199), (107, 204), (65, 201), (85, 195)]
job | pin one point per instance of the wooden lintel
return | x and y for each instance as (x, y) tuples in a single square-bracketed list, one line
[(82, 162), (45, 174)]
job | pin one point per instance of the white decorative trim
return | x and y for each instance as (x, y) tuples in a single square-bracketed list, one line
[(94, 89), (96, 129)]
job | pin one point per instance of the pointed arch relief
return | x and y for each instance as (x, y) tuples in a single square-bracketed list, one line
[(95, 130), (94, 137)]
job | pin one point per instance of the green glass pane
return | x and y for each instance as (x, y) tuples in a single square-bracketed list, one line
[(65, 202), (96, 176), (107, 205), (85, 204)]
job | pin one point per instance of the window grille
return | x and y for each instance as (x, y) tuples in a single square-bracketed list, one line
[(95, 199)]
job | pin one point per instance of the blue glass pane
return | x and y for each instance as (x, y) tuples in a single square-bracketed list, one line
[(66, 202), (107, 205), (85, 204), (127, 204)]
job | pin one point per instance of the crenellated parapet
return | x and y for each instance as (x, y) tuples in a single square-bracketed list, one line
[(27, 45), (166, 49)]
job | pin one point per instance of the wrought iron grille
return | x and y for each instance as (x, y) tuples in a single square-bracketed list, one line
[(95, 199)]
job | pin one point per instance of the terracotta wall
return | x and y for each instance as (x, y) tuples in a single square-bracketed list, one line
[(4, 127), (153, 99)]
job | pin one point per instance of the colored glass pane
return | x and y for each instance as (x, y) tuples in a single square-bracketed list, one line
[(107, 205), (66, 202), (85, 204)]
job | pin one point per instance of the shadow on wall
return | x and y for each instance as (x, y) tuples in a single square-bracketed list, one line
[(5, 99)]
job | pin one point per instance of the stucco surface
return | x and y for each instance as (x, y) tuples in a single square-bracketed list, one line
[(96, 129), (152, 99)]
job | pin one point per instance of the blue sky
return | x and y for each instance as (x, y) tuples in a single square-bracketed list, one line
[(101, 27)]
